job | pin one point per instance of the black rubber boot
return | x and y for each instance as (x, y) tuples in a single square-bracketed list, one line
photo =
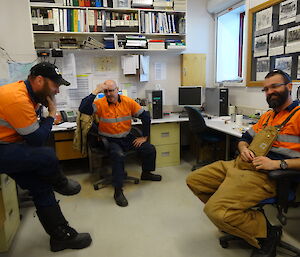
[(150, 176), (63, 185), (120, 198), (62, 236)]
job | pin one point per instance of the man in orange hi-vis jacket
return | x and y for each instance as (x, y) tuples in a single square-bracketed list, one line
[(24, 158), (230, 188), (115, 113)]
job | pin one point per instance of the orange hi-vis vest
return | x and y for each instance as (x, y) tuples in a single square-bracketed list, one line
[(17, 113), (288, 140), (115, 119)]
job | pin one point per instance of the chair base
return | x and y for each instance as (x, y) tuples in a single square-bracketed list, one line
[(107, 180), (224, 242)]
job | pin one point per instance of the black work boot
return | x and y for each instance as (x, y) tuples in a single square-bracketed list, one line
[(147, 175), (63, 185), (62, 236), (268, 245), (120, 198)]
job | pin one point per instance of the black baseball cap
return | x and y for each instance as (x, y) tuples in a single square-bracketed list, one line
[(50, 71)]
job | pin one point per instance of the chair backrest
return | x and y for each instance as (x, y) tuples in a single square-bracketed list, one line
[(196, 121)]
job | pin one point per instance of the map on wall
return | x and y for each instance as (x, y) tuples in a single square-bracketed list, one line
[(16, 71)]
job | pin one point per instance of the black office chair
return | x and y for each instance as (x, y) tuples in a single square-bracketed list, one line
[(202, 134), (98, 149), (287, 181)]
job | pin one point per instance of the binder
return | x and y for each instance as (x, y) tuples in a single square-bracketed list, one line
[(98, 3), (93, 3), (81, 3), (75, 3), (87, 3), (75, 20), (69, 19)]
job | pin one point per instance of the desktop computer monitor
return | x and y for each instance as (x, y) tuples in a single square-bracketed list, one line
[(190, 96)]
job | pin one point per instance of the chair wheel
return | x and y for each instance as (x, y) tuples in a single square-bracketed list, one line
[(136, 181), (224, 244), (96, 187)]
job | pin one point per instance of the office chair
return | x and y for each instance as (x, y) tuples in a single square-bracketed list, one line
[(98, 149), (285, 198), (201, 133)]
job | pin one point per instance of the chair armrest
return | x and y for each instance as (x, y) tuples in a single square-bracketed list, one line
[(136, 131), (280, 174), (105, 142)]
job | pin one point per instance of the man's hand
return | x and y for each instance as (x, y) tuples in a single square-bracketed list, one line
[(247, 155), (265, 163), (139, 141), (51, 106), (99, 89)]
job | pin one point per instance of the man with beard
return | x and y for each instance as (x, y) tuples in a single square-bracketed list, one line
[(229, 191), (24, 158), (115, 113)]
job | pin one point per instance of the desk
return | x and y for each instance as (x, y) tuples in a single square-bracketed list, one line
[(229, 128)]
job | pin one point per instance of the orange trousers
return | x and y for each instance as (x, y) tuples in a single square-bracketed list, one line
[(228, 194)]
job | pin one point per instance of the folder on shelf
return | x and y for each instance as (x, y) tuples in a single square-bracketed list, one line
[(87, 3), (81, 3)]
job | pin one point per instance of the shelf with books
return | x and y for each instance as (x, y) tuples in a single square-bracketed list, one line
[(51, 23)]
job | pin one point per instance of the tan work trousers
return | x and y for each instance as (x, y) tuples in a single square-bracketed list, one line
[(228, 194)]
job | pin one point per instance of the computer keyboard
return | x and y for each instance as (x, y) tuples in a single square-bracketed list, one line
[(183, 115)]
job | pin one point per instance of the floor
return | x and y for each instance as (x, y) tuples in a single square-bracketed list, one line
[(163, 219)]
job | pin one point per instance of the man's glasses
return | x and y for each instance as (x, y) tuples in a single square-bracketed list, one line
[(106, 91), (273, 86)]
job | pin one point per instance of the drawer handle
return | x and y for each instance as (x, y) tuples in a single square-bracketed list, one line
[(165, 154), (165, 134)]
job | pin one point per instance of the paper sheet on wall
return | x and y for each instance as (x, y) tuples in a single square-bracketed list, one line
[(144, 69), (77, 94), (62, 99), (160, 71), (131, 89), (129, 64), (83, 65), (106, 64), (97, 79), (69, 70)]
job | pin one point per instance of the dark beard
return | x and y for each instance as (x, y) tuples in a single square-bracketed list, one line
[(41, 96), (280, 100)]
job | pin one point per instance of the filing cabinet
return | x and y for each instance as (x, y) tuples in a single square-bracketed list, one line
[(9, 212), (166, 139)]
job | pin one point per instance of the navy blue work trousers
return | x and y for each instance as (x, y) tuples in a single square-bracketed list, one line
[(117, 149), (27, 165)]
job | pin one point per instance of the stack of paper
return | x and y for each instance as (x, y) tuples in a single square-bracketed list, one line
[(180, 5), (130, 63)]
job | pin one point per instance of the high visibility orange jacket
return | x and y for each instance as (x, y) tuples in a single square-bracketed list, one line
[(288, 140), (115, 119), (17, 113)]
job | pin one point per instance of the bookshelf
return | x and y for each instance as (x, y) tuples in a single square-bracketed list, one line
[(115, 29)]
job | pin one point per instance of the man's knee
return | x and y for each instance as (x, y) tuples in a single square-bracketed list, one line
[(190, 180), (46, 155), (148, 149), (215, 212)]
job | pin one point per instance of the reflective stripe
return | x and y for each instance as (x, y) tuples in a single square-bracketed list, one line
[(4, 123), (114, 135), (251, 132), (138, 113), (285, 151), (288, 139), (25, 131), (94, 107), (114, 120)]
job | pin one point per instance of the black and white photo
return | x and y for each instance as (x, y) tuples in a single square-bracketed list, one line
[(262, 67), (276, 43), (261, 46), (264, 19), (284, 64), (293, 40), (287, 12)]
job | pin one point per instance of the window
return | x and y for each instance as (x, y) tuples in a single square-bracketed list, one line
[(230, 44)]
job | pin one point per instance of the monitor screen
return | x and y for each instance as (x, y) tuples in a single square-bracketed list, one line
[(189, 96)]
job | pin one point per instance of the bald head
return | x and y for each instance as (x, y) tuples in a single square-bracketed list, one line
[(111, 91), (110, 83)]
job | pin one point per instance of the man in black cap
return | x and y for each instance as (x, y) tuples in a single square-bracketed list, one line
[(25, 159)]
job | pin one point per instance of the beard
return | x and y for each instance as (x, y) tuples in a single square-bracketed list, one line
[(279, 100), (41, 95)]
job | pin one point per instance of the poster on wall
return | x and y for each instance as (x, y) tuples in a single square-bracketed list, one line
[(276, 43), (264, 21), (293, 40), (284, 63), (287, 11), (262, 67), (261, 46)]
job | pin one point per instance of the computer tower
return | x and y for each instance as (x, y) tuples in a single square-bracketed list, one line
[(216, 101), (155, 100)]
